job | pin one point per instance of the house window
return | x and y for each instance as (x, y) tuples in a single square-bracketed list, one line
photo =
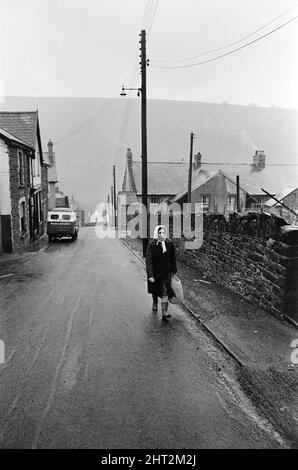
[(204, 200), (21, 167), (155, 199), (231, 206), (23, 217)]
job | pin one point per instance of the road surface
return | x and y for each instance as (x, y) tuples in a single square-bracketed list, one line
[(89, 365)]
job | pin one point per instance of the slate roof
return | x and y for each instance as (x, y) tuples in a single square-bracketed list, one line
[(171, 178), (281, 195), (163, 177), (273, 178), (9, 136), (22, 124)]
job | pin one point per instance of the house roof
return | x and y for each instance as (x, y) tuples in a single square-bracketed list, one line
[(9, 136), (281, 195), (163, 177), (272, 178), (171, 178), (22, 124), (203, 176)]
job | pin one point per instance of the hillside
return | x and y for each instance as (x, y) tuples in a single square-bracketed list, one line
[(101, 133)]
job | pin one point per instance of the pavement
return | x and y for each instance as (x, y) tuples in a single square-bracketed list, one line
[(89, 365), (258, 342), (10, 261)]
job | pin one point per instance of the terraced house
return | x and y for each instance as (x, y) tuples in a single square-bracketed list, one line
[(213, 183), (23, 181)]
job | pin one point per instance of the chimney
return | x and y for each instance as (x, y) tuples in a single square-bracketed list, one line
[(197, 160), (50, 153), (259, 159), (129, 157)]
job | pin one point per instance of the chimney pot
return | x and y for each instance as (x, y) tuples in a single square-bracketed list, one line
[(259, 159), (197, 160), (129, 156)]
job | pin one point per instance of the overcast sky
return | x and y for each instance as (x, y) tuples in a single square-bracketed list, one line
[(89, 47)]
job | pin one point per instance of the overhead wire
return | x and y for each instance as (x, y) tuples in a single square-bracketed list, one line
[(62, 181), (229, 44), (148, 18), (125, 121), (86, 123), (129, 103), (150, 4), (144, 21), (91, 118), (152, 19), (227, 53)]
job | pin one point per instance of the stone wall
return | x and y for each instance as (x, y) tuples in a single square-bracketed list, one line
[(255, 256), (17, 192)]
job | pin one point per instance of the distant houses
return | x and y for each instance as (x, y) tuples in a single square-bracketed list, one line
[(79, 210), (213, 184)]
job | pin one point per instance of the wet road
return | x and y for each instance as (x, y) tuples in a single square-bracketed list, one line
[(88, 364)]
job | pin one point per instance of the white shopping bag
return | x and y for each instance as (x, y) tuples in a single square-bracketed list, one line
[(178, 290)]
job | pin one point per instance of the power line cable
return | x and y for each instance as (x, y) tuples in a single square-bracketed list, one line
[(227, 53), (91, 118), (231, 43), (128, 108), (79, 184), (147, 13), (153, 16), (87, 122), (126, 115)]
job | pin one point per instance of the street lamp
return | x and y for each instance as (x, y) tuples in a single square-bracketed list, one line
[(123, 90)]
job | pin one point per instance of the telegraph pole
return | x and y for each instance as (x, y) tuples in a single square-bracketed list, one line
[(115, 200), (143, 64), (237, 193), (112, 202), (190, 167), (143, 90)]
